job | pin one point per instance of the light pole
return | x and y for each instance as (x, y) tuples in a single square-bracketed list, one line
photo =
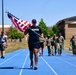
[(2, 33)]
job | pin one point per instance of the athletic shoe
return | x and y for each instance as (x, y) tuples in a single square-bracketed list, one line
[(48, 54), (52, 54), (55, 54), (2, 57), (58, 54), (41, 54), (35, 68), (31, 65)]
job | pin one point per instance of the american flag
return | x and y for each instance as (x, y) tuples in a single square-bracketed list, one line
[(18, 23)]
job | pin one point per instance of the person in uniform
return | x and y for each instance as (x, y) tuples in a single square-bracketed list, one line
[(48, 44), (54, 45), (73, 42), (42, 40), (61, 43)]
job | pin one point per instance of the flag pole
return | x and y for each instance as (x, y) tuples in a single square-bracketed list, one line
[(11, 14), (2, 33)]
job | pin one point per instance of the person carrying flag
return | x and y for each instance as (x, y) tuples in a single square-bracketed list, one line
[(33, 43), (34, 34)]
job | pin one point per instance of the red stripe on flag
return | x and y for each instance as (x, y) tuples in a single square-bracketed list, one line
[(19, 24), (22, 25), (25, 28), (13, 21), (25, 22)]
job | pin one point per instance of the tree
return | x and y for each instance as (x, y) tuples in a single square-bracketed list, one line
[(14, 34), (10, 31), (55, 29), (20, 36), (43, 27), (50, 32)]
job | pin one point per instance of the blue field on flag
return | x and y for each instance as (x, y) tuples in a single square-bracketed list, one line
[(18, 63)]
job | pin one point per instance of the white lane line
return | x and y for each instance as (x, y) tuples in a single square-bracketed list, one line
[(9, 58), (49, 66), (67, 62), (23, 65)]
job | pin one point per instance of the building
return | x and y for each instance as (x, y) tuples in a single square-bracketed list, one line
[(6, 27), (67, 27)]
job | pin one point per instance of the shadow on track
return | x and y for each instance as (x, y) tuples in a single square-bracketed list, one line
[(13, 68)]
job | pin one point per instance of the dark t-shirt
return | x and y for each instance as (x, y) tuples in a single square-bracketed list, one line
[(34, 33)]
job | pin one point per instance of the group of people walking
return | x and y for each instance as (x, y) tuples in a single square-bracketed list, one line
[(54, 44)]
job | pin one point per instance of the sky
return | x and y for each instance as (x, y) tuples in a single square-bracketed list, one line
[(50, 10)]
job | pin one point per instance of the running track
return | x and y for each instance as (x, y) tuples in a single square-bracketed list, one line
[(17, 63)]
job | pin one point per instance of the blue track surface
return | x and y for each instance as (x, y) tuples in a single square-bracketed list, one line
[(17, 63)]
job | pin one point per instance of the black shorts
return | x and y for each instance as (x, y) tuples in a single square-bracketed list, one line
[(33, 45), (2, 48), (42, 45)]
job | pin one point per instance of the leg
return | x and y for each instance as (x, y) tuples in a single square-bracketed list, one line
[(60, 49), (35, 57), (2, 51), (74, 50), (55, 49), (2, 54), (31, 59), (40, 51), (42, 48), (52, 50), (48, 50), (31, 51)]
